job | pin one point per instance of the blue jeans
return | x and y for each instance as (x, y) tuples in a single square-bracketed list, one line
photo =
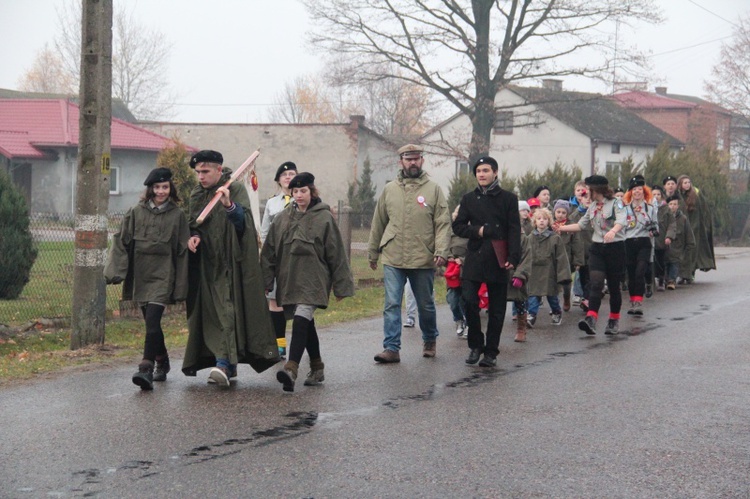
[(456, 304), (421, 281), (535, 301)]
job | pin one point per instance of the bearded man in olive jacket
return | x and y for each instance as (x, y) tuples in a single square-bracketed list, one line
[(411, 230), (228, 318)]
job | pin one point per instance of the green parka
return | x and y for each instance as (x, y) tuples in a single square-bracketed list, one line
[(411, 224), (227, 309), (550, 266), (149, 254), (304, 252), (522, 271)]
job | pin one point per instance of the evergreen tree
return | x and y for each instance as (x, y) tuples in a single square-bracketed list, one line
[(176, 157), (460, 185), (361, 196), (17, 250)]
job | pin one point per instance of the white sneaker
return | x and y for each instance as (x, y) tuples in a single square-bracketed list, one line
[(460, 327), (409, 322), (219, 376)]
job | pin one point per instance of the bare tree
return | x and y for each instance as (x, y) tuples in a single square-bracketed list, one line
[(467, 51), (304, 100), (729, 85), (47, 75), (139, 62)]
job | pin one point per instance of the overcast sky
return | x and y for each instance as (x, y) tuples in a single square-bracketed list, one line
[(230, 58)]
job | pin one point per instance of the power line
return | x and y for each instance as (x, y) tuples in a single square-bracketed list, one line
[(713, 13)]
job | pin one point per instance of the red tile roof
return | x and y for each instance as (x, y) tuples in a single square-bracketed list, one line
[(28, 126), (647, 100)]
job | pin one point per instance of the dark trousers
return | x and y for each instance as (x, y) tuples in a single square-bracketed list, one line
[(154, 347), (606, 261), (498, 295), (638, 256), (660, 265)]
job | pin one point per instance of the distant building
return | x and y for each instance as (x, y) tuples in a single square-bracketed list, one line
[(695, 121), (537, 127), (334, 152), (39, 148)]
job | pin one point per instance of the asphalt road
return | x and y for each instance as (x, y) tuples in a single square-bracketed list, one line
[(661, 410)]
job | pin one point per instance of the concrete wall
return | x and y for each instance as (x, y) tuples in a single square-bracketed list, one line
[(334, 153), (53, 181)]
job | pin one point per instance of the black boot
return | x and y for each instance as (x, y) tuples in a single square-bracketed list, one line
[(474, 355), (161, 369), (145, 375)]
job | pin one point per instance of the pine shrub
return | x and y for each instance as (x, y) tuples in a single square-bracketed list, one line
[(17, 250)]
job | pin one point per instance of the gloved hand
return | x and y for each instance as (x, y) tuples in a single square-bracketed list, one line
[(516, 282)]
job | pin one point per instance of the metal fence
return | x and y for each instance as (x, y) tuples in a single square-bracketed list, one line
[(49, 292)]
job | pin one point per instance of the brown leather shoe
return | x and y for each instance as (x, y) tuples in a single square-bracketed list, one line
[(429, 349), (388, 357)]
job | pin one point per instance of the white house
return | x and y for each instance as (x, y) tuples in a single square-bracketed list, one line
[(537, 127)]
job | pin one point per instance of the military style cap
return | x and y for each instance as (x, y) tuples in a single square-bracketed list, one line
[(668, 178), (304, 179), (637, 181), (410, 149), (206, 156), (158, 175), (485, 160), (283, 168), (596, 180)]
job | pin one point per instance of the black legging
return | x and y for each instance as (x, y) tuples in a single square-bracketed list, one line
[(304, 336), (154, 347), (606, 261), (638, 254)]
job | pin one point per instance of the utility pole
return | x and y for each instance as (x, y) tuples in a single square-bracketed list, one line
[(93, 173)]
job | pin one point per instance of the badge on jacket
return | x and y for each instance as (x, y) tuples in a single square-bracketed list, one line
[(421, 200)]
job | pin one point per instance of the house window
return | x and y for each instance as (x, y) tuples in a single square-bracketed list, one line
[(503, 122), (612, 170), (615, 148), (114, 180), (462, 167)]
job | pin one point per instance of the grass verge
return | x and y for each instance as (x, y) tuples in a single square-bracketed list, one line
[(44, 351)]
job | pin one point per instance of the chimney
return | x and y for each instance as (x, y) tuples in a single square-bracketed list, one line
[(357, 120), (661, 90), (551, 84)]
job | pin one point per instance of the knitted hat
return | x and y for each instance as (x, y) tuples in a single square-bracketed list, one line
[(561, 203), (523, 205)]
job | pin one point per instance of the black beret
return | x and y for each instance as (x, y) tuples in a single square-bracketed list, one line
[(206, 156), (596, 180), (667, 179), (673, 197), (284, 167), (657, 188), (303, 179), (539, 190), (158, 175), (485, 160), (619, 189), (637, 181)]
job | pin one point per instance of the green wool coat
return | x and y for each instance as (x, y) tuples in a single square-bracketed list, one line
[(227, 310), (304, 252), (667, 227), (523, 272), (149, 254), (683, 244), (702, 256), (411, 224), (550, 266)]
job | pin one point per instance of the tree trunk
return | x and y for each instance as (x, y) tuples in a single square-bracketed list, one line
[(93, 174), (483, 118)]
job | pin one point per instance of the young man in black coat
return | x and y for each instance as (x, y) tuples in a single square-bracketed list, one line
[(488, 218)]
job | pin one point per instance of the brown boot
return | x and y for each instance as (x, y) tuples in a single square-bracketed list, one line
[(288, 375), (316, 375), (566, 299), (521, 329), (429, 349), (388, 357)]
